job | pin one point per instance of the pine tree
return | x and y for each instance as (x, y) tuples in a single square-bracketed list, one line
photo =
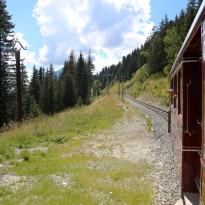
[(35, 85), (30, 107), (41, 75), (69, 91), (25, 91), (69, 99), (5, 47), (85, 86), (48, 95), (51, 90), (71, 64), (78, 72), (44, 95), (191, 12), (89, 70)]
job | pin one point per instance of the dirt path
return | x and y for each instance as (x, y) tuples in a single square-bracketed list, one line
[(127, 140)]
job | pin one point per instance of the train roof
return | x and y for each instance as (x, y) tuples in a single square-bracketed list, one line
[(190, 35)]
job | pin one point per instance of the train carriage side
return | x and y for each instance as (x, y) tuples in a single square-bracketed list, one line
[(188, 109)]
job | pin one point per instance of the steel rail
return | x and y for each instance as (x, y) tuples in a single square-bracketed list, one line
[(161, 112)]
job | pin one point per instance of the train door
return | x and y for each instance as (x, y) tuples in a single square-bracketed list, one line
[(192, 128)]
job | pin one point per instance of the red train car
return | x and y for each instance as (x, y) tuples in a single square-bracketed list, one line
[(187, 97)]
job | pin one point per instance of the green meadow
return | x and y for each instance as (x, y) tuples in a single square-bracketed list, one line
[(44, 161)]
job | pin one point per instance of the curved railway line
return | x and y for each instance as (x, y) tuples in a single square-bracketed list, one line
[(164, 113)]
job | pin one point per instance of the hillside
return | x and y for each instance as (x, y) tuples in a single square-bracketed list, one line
[(153, 59), (152, 86)]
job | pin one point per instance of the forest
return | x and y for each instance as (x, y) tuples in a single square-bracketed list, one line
[(45, 93), (159, 50)]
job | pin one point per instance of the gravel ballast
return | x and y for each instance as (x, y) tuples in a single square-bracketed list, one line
[(167, 189)]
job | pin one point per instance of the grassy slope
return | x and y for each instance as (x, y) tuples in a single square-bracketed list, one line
[(60, 128), (65, 173), (154, 86)]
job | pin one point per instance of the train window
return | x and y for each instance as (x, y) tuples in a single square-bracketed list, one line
[(179, 92)]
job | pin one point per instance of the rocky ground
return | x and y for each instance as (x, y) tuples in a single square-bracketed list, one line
[(167, 190), (129, 140)]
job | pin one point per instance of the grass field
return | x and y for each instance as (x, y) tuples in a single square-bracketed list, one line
[(44, 161)]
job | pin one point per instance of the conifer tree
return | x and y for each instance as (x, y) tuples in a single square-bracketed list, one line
[(35, 85), (48, 95), (6, 41), (90, 69), (85, 86), (30, 107), (191, 12), (78, 72), (51, 90), (68, 82), (69, 99), (41, 75), (71, 64)]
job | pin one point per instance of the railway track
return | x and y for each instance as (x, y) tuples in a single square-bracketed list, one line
[(161, 112)]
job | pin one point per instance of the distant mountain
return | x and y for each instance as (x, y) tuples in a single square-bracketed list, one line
[(58, 72)]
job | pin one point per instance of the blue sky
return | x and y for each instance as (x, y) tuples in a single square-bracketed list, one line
[(110, 28)]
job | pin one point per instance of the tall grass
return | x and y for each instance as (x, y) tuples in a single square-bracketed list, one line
[(65, 173), (62, 127)]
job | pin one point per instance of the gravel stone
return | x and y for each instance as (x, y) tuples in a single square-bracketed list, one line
[(167, 189)]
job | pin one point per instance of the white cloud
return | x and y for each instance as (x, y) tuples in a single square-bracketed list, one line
[(115, 27), (105, 58), (43, 52)]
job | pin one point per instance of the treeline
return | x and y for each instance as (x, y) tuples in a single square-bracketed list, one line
[(159, 50), (45, 93), (6, 88), (49, 94)]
